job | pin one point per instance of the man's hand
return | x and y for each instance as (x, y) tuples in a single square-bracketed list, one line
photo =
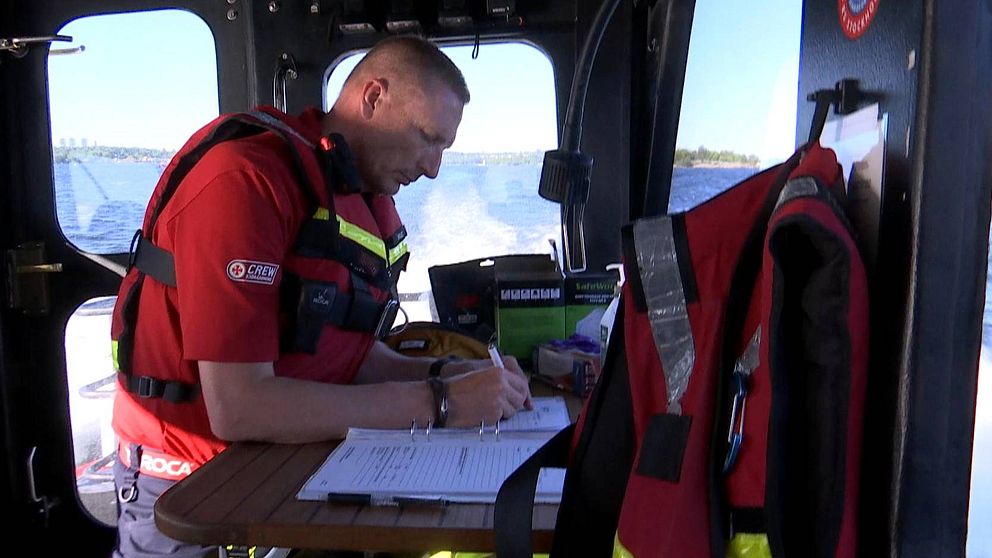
[(487, 394), (456, 367)]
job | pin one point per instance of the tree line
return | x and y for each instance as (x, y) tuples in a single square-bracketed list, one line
[(65, 154), (702, 156), (683, 157)]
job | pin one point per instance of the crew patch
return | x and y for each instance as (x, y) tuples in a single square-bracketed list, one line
[(248, 271), (855, 16)]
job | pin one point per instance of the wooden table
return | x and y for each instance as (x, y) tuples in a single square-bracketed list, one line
[(247, 495)]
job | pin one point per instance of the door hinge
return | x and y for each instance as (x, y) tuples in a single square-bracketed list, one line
[(27, 279)]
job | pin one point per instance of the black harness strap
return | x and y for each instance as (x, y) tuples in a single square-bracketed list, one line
[(321, 303), (152, 260), (595, 478)]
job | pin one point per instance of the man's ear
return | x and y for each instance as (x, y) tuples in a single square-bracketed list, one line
[(372, 95)]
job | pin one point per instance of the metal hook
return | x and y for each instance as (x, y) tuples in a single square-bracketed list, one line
[(285, 70)]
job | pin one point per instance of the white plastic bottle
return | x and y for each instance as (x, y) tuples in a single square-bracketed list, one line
[(610, 315)]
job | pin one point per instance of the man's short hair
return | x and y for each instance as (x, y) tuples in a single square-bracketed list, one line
[(414, 56)]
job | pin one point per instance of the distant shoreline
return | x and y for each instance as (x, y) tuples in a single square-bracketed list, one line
[(683, 158), (717, 165)]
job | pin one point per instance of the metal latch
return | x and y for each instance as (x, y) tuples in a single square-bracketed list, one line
[(18, 46), (27, 278), (42, 505)]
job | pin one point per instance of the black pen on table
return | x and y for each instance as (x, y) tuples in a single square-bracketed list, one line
[(384, 500)]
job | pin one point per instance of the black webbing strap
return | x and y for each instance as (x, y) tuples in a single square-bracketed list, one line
[(514, 511), (321, 303), (365, 312), (742, 284), (144, 386), (591, 511), (147, 387), (153, 261), (237, 126)]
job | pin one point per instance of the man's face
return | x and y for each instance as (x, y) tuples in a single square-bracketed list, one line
[(408, 130)]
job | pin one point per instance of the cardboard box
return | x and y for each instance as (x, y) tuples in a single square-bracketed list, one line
[(464, 293), (586, 297), (530, 308)]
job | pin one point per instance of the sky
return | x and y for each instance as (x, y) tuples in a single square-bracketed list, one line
[(160, 70)]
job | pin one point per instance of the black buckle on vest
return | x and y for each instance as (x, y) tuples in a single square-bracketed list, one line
[(146, 388), (387, 318)]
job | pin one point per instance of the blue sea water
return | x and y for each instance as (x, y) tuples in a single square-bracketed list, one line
[(491, 209), (470, 211)]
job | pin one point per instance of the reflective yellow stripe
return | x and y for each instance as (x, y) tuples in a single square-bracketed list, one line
[(749, 545), (356, 234), (113, 354), (619, 550), (397, 252)]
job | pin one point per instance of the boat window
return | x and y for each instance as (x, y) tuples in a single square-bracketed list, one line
[(123, 98), (980, 503), (484, 201), (738, 110), (122, 102)]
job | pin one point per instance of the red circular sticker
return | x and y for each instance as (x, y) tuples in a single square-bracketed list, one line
[(855, 16)]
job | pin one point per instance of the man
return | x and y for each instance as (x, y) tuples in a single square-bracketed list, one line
[(210, 352)]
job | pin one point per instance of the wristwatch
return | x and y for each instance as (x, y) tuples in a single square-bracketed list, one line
[(435, 370), (439, 389)]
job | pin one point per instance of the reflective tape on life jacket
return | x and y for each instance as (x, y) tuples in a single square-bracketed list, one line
[(665, 298), (366, 239), (619, 550)]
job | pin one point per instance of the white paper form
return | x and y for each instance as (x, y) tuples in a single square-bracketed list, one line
[(457, 465), (549, 413)]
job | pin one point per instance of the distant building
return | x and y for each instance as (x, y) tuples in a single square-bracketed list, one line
[(61, 142), (72, 142), (85, 142)]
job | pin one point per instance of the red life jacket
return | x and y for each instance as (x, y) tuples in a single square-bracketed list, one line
[(336, 281), (729, 410)]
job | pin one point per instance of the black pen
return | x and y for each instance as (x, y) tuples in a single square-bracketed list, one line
[(384, 500), (346, 498)]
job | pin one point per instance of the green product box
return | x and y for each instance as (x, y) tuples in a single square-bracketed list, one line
[(530, 310), (586, 297)]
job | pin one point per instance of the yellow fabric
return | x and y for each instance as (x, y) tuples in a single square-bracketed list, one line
[(449, 554), (432, 339), (397, 252), (113, 354), (356, 234), (619, 550), (749, 545)]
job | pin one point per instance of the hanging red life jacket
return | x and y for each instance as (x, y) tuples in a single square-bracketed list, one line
[(729, 410)]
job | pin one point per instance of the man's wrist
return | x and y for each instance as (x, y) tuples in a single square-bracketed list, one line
[(439, 391), (435, 368)]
